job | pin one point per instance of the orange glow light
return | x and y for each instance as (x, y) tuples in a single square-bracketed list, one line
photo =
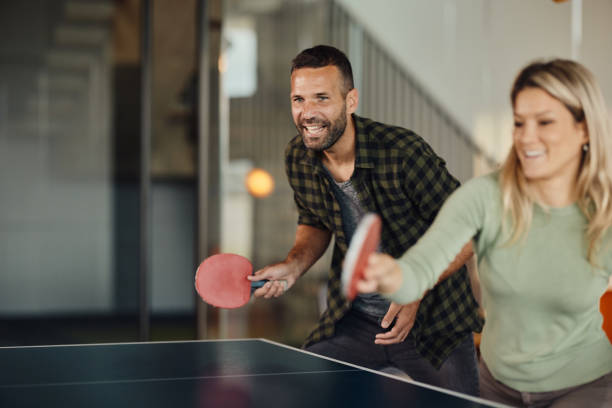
[(259, 183)]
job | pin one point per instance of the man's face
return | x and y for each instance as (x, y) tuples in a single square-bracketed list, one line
[(318, 106)]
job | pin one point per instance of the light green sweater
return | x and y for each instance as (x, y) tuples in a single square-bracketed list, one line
[(541, 297)]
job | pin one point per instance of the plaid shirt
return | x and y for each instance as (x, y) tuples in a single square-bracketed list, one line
[(398, 176)]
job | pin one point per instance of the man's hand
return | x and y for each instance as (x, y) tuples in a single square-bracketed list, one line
[(281, 277), (406, 315), (310, 244)]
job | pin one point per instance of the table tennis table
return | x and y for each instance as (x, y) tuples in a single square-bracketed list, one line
[(207, 373)]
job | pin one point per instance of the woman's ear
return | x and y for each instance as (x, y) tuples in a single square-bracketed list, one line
[(583, 131)]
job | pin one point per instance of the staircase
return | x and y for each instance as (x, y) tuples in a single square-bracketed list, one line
[(389, 94)]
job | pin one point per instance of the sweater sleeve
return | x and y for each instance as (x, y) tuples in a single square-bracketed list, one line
[(461, 217)]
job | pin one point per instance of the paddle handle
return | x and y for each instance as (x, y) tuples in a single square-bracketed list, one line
[(260, 283)]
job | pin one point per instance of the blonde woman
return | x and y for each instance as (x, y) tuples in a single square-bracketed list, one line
[(541, 229)]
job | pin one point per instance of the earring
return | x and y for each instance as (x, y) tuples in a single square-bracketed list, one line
[(585, 147)]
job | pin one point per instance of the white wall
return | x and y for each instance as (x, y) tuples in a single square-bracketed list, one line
[(466, 53)]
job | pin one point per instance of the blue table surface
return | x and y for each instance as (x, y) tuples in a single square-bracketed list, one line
[(223, 373)]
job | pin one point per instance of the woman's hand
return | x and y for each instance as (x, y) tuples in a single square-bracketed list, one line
[(382, 275)]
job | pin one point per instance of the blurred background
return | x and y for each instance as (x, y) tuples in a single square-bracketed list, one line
[(138, 137)]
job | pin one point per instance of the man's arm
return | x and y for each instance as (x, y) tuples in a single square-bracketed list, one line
[(461, 259), (310, 244)]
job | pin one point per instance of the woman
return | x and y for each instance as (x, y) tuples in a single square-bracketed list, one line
[(541, 229)]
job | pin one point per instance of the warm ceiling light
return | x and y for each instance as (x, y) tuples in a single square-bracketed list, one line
[(259, 183)]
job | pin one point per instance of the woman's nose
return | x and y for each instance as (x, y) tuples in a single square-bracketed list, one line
[(526, 133)]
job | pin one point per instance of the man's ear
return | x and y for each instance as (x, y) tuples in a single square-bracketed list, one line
[(352, 101)]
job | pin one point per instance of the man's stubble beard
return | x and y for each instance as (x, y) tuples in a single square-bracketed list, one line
[(335, 131)]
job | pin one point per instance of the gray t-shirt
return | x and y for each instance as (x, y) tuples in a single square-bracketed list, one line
[(352, 212)]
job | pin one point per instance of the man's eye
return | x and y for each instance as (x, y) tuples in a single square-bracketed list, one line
[(518, 124), (545, 122)]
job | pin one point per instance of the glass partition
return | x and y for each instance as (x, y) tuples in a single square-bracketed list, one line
[(71, 99)]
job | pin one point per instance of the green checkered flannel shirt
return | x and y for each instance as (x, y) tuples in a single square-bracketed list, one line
[(398, 176)]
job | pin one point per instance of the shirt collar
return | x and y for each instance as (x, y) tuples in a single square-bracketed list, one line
[(364, 156)]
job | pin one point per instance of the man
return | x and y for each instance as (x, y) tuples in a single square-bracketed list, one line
[(341, 166)]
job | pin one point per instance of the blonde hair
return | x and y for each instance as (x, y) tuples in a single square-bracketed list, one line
[(574, 86)]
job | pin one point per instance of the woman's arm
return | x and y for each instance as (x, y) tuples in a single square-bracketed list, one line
[(441, 250)]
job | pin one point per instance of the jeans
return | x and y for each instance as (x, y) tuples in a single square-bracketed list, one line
[(594, 394), (353, 342)]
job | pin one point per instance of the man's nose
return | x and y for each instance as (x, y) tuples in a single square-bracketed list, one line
[(308, 110)]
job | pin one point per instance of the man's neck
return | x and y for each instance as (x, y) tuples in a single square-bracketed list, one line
[(340, 158)]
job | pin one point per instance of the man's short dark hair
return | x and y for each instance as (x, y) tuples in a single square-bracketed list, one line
[(322, 56)]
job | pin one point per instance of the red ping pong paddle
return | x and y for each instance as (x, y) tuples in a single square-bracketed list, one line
[(364, 242), (221, 280)]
